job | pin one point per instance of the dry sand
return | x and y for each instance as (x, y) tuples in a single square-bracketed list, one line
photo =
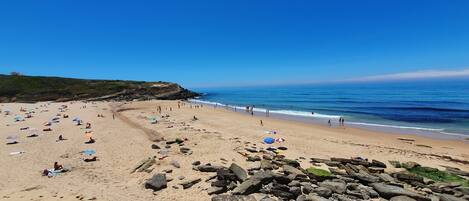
[(214, 138)]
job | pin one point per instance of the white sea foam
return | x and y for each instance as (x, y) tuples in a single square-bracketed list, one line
[(282, 112), (325, 116), (396, 126)]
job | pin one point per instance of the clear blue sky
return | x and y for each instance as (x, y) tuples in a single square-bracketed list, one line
[(210, 43)]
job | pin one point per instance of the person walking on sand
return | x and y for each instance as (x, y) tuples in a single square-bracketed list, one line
[(329, 122), (262, 123)]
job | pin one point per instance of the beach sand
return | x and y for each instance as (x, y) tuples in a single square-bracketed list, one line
[(216, 137)]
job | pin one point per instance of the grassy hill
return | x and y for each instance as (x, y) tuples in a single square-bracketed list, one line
[(19, 88)]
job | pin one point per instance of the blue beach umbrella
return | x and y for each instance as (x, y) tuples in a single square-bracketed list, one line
[(269, 140), (89, 152)]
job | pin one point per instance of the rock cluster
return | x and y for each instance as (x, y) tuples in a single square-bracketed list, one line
[(277, 178)]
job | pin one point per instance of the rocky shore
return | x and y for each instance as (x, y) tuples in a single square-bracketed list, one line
[(271, 177)]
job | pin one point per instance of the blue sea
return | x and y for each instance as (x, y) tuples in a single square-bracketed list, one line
[(439, 108)]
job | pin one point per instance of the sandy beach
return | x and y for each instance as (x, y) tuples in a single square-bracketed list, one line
[(216, 137)]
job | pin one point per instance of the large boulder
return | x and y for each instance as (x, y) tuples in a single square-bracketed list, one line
[(446, 197), (254, 183), (389, 191), (157, 182), (337, 187), (292, 170), (239, 172)]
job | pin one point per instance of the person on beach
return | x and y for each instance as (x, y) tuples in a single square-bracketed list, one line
[(57, 166), (262, 123), (343, 122), (329, 122), (90, 141)]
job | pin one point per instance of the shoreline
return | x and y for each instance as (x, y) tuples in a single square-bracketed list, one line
[(322, 120), (217, 136)]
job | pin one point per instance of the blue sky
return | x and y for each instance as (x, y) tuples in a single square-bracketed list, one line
[(241, 42)]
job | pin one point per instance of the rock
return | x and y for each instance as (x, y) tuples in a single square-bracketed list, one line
[(252, 150), (407, 176), (294, 183), (196, 163), (342, 160), (253, 158), (389, 191), (410, 165), (254, 166), (386, 177), (292, 163), (144, 164), (155, 146), (254, 183), (395, 164), (376, 163), (175, 164), (401, 198), (239, 172), (306, 187), (215, 190), (190, 183), (337, 187), (220, 183), (376, 170), (185, 150), (310, 197), (446, 197), (267, 165), (464, 190), (323, 192), (226, 174), (233, 198), (292, 170), (157, 182), (365, 177), (181, 177), (208, 168)]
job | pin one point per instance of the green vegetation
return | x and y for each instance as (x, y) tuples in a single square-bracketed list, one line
[(439, 176), (318, 172), (19, 88)]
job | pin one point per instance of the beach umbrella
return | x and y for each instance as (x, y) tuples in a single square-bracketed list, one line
[(12, 139), (89, 152), (269, 140), (18, 118), (33, 131)]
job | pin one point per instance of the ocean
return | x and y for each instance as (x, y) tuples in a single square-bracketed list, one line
[(439, 108)]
